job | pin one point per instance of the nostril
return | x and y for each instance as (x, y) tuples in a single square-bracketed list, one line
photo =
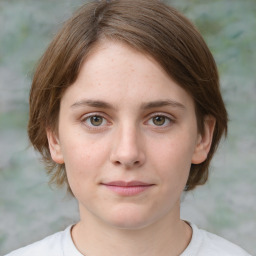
[(117, 163), (128, 159), (128, 164)]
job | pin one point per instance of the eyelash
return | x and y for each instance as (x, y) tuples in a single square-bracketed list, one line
[(87, 118)]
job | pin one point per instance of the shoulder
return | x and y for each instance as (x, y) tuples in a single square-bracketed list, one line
[(205, 243), (220, 245), (50, 246)]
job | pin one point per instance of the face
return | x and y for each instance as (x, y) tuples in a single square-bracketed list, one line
[(127, 135)]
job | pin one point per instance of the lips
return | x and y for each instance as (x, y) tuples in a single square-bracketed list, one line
[(130, 188), (127, 184)]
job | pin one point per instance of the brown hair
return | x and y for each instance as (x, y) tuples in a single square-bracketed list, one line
[(149, 26)]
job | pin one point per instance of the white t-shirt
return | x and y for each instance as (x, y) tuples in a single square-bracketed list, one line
[(202, 243)]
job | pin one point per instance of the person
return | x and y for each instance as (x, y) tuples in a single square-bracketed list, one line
[(126, 110)]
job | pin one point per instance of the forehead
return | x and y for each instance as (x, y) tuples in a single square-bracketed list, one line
[(116, 72)]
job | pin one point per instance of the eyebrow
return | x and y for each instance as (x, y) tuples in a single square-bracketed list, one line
[(144, 106), (163, 103), (92, 103)]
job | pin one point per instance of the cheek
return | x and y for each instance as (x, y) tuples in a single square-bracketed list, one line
[(83, 160), (172, 160), (81, 150)]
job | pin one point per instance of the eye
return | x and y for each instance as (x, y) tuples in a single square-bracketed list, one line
[(94, 121), (160, 120)]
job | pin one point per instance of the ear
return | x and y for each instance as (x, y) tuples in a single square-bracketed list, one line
[(204, 141), (55, 147)]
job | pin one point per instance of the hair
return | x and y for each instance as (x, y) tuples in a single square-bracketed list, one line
[(149, 26)]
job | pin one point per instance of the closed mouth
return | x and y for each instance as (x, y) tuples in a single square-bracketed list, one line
[(130, 188), (120, 183)]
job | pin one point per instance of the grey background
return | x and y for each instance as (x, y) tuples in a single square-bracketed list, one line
[(226, 205)]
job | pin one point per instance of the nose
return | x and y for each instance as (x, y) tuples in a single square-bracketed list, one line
[(128, 148)]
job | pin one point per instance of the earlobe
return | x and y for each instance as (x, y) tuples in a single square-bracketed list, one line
[(204, 141), (54, 146)]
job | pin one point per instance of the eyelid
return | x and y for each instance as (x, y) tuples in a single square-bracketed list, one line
[(164, 114), (96, 113)]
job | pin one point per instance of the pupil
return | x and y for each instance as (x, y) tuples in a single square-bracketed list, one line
[(96, 120), (159, 120)]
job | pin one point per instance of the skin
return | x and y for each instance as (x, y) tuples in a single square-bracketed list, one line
[(125, 119)]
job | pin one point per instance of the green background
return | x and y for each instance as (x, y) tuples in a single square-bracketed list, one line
[(226, 205)]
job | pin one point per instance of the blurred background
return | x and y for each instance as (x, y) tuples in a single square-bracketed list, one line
[(226, 205)]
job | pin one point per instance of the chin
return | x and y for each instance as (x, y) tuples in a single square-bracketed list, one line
[(130, 224), (130, 219)]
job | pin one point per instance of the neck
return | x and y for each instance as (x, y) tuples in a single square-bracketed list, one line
[(169, 236)]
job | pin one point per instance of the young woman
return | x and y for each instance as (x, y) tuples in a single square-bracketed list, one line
[(126, 110)]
